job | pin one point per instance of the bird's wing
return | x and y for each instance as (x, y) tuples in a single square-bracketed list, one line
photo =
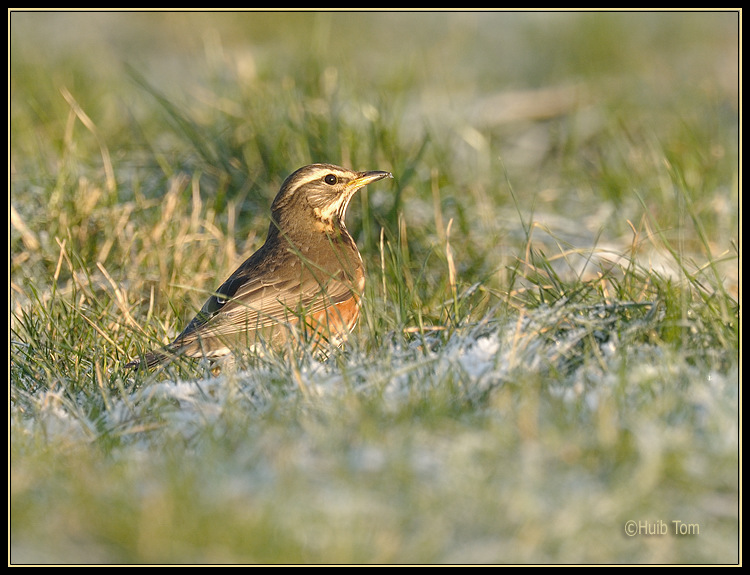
[(245, 304)]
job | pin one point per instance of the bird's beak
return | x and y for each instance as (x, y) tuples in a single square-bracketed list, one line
[(365, 178)]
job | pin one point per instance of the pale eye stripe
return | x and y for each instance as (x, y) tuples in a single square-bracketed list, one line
[(314, 176)]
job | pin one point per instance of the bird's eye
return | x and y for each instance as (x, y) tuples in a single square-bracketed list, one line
[(330, 179)]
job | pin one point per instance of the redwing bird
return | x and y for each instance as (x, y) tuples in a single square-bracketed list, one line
[(306, 278)]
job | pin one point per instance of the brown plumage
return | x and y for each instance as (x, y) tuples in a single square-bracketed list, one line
[(306, 278)]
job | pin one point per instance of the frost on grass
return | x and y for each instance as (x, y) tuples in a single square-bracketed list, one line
[(422, 443), (575, 353)]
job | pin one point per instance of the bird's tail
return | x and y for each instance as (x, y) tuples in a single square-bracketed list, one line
[(152, 359)]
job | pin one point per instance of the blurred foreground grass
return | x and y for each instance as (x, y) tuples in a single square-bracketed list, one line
[(550, 340)]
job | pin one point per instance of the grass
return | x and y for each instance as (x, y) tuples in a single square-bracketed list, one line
[(549, 345)]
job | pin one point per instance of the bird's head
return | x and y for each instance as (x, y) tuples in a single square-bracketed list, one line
[(318, 196)]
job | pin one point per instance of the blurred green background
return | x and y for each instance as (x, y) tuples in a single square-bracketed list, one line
[(576, 112)]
